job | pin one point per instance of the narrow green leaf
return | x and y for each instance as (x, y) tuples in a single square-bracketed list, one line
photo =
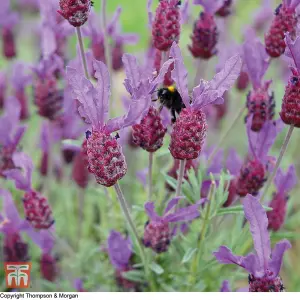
[(156, 268), (188, 255), (236, 210), (134, 275)]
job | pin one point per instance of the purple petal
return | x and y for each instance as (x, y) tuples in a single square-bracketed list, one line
[(9, 207), (133, 73), (44, 137), (292, 50), (9, 120), (18, 135), (150, 14), (103, 90), (233, 162), (19, 78), (185, 12), (48, 42), (150, 211), (225, 256), (251, 264), (160, 77), (83, 91), (225, 286), (44, 239), (256, 58), (266, 137), (277, 256), (22, 175), (210, 6), (137, 110), (111, 27), (285, 182), (119, 250), (172, 203), (294, 3), (213, 91), (180, 74), (258, 220), (184, 214)]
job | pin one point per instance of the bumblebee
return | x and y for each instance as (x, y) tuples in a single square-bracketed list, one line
[(171, 99)]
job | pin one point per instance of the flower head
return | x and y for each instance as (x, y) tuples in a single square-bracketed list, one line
[(166, 26), (264, 266), (189, 131), (158, 233), (75, 11), (36, 207)]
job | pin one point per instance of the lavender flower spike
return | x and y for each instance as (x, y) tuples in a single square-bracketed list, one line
[(157, 233), (264, 266), (93, 108), (225, 286)]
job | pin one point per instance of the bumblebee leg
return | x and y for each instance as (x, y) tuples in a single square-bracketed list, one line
[(173, 113)]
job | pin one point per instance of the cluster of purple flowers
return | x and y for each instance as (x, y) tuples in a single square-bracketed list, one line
[(84, 140)]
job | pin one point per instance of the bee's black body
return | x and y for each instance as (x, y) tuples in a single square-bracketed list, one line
[(171, 99)]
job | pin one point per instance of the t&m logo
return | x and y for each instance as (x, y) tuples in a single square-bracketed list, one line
[(17, 275)]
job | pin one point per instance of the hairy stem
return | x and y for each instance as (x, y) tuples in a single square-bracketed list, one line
[(225, 135), (180, 177), (282, 151), (150, 170), (82, 54), (124, 207)]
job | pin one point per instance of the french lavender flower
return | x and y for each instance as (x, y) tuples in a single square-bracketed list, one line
[(8, 20), (158, 233), (36, 207), (120, 252), (260, 102), (285, 21), (290, 102), (189, 131), (284, 184), (55, 28), (254, 170), (80, 173), (11, 133), (150, 132), (75, 11), (166, 25), (3, 87), (106, 160), (263, 16), (11, 225), (20, 80), (264, 266), (47, 96), (48, 262), (226, 9), (205, 34)]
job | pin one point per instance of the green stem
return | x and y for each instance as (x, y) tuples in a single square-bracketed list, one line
[(82, 54), (150, 170), (282, 151), (180, 177), (124, 207)]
